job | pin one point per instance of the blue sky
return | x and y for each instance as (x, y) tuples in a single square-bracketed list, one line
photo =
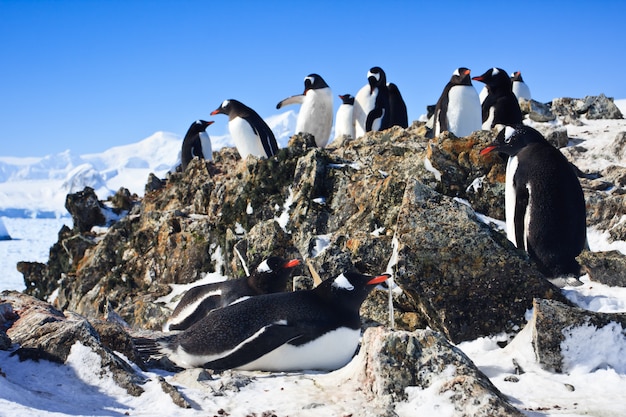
[(88, 75)]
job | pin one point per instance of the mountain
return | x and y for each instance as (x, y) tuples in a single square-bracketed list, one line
[(37, 187)]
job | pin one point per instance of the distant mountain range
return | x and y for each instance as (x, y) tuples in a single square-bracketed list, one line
[(37, 187)]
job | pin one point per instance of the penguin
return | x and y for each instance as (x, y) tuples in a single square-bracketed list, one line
[(397, 108), (316, 113), (371, 104), (520, 88), (344, 121), (308, 329), (252, 136), (500, 106), (458, 108), (544, 202), (196, 143), (269, 277)]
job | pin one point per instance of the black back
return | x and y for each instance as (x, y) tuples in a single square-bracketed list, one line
[(397, 108)]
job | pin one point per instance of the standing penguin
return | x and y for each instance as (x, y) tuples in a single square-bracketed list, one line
[(344, 122), (316, 114), (544, 202), (458, 108), (269, 277), (520, 88), (500, 106), (371, 104), (196, 143), (252, 136), (308, 329), (397, 107)]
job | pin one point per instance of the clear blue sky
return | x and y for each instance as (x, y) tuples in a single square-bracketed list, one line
[(88, 75)]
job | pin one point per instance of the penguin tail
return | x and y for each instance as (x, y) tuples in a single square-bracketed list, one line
[(151, 350)]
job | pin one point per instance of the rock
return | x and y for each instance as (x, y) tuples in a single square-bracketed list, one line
[(85, 209), (390, 362), (43, 332), (608, 268), (558, 331), (448, 258)]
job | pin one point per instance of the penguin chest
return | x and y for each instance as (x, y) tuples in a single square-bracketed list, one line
[(316, 115), (344, 125), (245, 138), (330, 351), (517, 210), (207, 151), (464, 112)]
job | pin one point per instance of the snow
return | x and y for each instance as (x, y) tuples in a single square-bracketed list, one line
[(32, 194)]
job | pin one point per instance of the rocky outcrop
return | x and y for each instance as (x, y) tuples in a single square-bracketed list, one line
[(560, 332)]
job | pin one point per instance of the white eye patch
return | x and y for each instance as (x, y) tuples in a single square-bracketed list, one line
[(342, 282), (508, 132), (264, 267)]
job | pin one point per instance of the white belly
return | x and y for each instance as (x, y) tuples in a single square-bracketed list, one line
[(364, 102), (207, 150), (316, 115), (331, 351), (464, 112), (344, 122), (246, 141)]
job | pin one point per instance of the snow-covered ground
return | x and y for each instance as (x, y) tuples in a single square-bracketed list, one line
[(595, 383)]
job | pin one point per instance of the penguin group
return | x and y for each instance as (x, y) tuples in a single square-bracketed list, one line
[(253, 323)]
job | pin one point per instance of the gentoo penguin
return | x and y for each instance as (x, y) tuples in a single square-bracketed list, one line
[(269, 277), (252, 136), (397, 107), (371, 104), (544, 202), (196, 143), (520, 88), (344, 121), (316, 113), (458, 108), (308, 329), (500, 106)]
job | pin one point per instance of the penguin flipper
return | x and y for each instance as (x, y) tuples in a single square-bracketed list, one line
[(373, 116), (297, 99), (270, 338)]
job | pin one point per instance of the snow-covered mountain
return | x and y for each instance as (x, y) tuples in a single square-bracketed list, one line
[(37, 187)]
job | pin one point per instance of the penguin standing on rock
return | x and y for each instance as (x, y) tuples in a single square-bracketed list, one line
[(344, 121), (544, 202), (308, 329), (520, 88), (196, 143), (458, 109), (371, 104), (252, 136), (269, 277), (500, 106), (316, 113)]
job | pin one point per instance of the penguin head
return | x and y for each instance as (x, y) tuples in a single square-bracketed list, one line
[(313, 82), (271, 275), (347, 99), (200, 126), (513, 139), (517, 76), (349, 289), (376, 77), (461, 76), (494, 78)]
